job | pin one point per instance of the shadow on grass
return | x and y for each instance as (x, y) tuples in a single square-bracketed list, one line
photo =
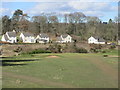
[(8, 62), (5, 57)]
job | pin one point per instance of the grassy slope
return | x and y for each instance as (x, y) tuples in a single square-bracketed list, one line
[(71, 69)]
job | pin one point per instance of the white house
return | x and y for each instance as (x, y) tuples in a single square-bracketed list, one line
[(118, 42), (42, 38), (27, 37), (9, 37), (64, 39), (96, 40)]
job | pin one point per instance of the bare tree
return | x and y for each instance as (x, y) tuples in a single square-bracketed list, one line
[(41, 21), (54, 22), (23, 22)]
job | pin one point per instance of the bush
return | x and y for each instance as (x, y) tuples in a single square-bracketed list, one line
[(69, 48), (103, 51), (96, 46), (105, 55), (55, 48), (112, 47), (18, 49), (81, 50), (94, 50), (37, 51)]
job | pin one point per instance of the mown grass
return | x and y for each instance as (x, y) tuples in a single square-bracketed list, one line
[(19, 83), (72, 69)]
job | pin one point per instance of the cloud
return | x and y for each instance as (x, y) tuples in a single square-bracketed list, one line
[(88, 8), (114, 8), (34, 1), (59, 0), (94, 6), (4, 11), (94, 13), (50, 7)]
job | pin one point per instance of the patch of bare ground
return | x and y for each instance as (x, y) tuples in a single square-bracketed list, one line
[(36, 80), (116, 56), (52, 56), (106, 68)]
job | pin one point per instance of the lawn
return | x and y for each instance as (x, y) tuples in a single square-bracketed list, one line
[(68, 70)]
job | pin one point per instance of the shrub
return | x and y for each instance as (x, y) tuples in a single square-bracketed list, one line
[(94, 50), (69, 48), (105, 55), (18, 49), (96, 46), (103, 51), (81, 50), (112, 47), (37, 51), (55, 48)]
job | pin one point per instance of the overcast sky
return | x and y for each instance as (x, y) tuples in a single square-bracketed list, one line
[(104, 9)]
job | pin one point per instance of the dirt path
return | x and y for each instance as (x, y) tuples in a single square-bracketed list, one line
[(37, 80), (106, 68)]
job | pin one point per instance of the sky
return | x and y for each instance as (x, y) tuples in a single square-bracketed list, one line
[(104, 9)]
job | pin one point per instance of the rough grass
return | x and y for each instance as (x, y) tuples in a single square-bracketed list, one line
[(70, 69)]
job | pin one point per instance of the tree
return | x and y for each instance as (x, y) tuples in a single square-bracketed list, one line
[(53, 19), (117, 19), (41, 22), (79, 17), (92, 20), (76, 23), (23, 22), (110, 21), (5, 24), (16, 14), (54, 23), (66, 18), (15, 19), (79, 26)]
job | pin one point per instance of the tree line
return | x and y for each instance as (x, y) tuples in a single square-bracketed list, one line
[(75, 23)]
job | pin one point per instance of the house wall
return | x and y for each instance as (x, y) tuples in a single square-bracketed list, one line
[(67, 39), (118, 42), (27, 39), (92, 40), (41, 42), (30, 39), (47, 39), (11, 39), (3, 38), (22, 37), (101, 42), (60, 41)]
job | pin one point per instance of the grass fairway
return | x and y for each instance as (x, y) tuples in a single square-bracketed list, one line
[(69, 70)]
